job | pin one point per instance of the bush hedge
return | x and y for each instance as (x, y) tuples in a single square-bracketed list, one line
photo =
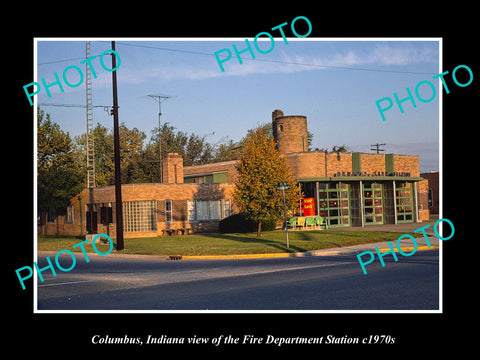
[(239, 223)]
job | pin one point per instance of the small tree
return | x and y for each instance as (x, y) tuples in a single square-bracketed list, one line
[(261, 167)]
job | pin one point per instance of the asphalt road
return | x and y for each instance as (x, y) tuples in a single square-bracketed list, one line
[(306, 283)]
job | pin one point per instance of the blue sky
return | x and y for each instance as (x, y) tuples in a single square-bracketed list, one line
[(335, 83)]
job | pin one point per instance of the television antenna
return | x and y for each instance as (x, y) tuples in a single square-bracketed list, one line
[(159, 98)]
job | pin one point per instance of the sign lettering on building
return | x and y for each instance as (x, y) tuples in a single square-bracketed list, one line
[(375, 173)]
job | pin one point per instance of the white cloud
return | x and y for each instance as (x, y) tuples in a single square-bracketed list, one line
[(382, 55), (387, 55)]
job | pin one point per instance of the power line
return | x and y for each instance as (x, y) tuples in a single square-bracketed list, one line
[(284, 62), (105, 107), (64, 60), (256, 59)]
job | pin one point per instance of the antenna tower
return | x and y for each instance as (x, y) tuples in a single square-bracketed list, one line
[(89, 114), (159, 98)]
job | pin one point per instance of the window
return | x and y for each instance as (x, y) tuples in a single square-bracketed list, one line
[(213, 178), (69, 215), (201, 210), (430, 198), (214, 210), (191, 210), (227, 208), (205, 210), (106, 215), (139, 215), (168, 210)]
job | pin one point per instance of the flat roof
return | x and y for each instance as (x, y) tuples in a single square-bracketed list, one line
[(360, 178)]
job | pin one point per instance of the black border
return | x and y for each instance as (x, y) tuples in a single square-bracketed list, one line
[(72, 332)]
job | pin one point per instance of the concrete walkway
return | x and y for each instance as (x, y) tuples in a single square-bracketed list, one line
[(407, 227)]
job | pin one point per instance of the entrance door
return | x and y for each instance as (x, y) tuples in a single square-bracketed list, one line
[(91, 222), (373, 203)]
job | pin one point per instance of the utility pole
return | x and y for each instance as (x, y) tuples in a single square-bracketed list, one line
[(377, 147), (159, 99), (116, 143)]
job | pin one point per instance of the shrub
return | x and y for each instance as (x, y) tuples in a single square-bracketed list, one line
[(238, 223)]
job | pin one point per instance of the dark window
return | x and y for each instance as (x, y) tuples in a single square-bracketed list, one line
[(106, 216), (168, 210)]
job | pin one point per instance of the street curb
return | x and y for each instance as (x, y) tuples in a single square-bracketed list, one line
[(411, 248), (326, 252)]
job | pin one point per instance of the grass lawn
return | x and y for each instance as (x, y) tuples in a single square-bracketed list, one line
[(230, 244)]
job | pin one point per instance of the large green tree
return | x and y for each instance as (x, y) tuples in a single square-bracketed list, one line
[(59, 176), (261, 167), (195, 149), (131, 148)]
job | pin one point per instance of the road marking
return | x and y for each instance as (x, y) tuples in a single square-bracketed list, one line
[(66, 283)]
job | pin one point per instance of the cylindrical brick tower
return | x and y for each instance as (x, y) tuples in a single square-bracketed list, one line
[(290, 132)]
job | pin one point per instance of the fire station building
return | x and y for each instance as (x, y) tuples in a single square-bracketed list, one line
[(347, 189)]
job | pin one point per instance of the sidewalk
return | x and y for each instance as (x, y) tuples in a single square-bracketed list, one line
[(404, 228), (406, 246)]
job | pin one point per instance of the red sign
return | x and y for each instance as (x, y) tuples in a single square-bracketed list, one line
[(308, 205)]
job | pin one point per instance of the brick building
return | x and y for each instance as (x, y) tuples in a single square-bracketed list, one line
[(348, 189), (433, 191)]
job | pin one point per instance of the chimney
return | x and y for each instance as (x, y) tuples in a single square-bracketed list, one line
[(173, 169), (276, 113)]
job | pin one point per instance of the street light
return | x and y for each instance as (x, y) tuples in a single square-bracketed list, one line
[(284, 186)]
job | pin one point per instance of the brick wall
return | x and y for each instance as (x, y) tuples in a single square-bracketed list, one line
[(373, 163), (407, 163), (306, 165), (173, 169), (434, 184), (338, 162), (312, 164), (422, 191)]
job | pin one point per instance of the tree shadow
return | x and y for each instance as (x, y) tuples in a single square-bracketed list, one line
[(251, 238)]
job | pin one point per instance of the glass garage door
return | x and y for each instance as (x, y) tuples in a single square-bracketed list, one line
[(404, 199), (334, 203), (373, 203)]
